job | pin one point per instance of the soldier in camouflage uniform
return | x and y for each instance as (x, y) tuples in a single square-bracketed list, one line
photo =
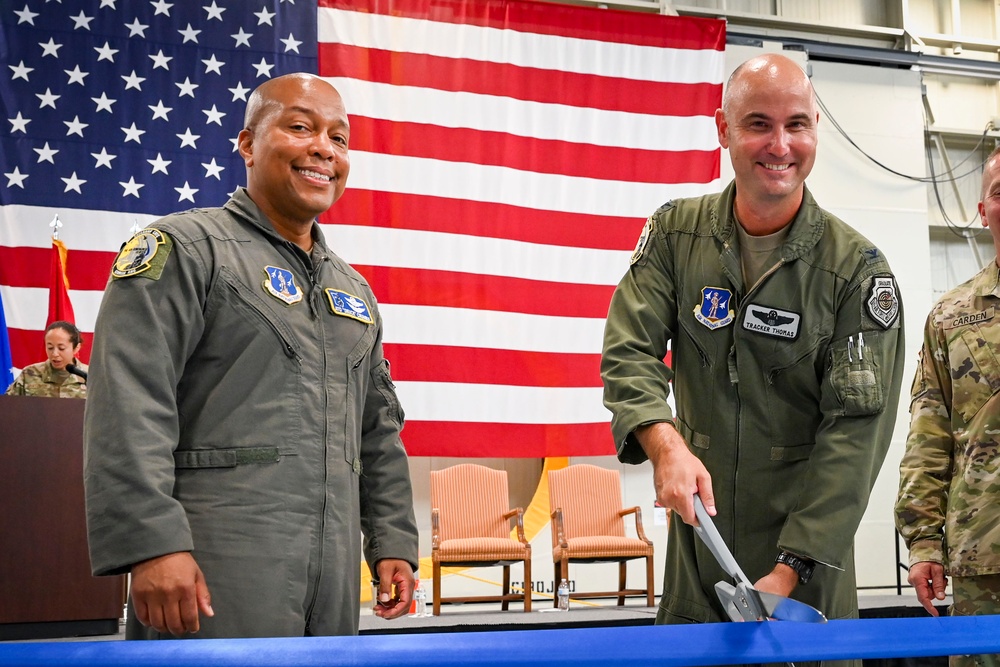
[(947, 509), (50, 378)]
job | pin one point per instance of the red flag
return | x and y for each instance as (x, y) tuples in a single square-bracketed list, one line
[(60, 307)]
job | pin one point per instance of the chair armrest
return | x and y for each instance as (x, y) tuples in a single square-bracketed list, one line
[(557, 524), (518, 514), (435, 528), (640, 533)]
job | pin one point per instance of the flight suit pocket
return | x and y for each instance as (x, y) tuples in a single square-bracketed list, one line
[(383, 382), (856, 377), (252, 309), (975, 372)]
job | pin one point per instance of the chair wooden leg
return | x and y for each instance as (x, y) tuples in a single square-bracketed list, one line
[(622, 570), (649, 581), (555, 584), (437, 589), (527, 584), (505, 603)]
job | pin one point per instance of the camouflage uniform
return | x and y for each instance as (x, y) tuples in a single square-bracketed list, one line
[(42, 379), (947, 509)]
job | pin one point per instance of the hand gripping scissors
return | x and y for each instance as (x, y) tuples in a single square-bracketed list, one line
[(743, 602)]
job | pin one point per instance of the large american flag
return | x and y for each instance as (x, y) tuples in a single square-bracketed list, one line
[(504, 157)]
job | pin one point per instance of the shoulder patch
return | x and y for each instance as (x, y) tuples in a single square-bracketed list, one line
[(144, 254), (640, 245), (883, 301)]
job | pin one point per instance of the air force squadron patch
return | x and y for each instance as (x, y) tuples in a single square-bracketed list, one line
[(348, 305), (716, 308), (640, 245), (771, 321), (280, 284), (143, 254), (883, 301)]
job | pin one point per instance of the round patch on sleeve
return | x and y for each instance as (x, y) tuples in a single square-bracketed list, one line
[(143, 254), (640, 245)]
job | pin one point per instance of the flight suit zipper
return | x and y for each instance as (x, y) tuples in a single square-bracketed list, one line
[(734, 379)]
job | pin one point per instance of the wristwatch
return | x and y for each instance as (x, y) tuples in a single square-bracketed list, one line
[(802, 566)]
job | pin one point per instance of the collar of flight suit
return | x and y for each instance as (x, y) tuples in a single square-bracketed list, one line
[(243, 207), (807, 226)]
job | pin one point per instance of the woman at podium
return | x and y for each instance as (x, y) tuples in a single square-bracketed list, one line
[(62, 375)]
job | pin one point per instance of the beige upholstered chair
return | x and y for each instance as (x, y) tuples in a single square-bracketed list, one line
[(588, 527), (470, 527)]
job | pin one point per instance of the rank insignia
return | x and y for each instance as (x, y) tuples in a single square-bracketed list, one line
[(280, 284), (144, 253), (883, 301), (348, 305), (716, 308)]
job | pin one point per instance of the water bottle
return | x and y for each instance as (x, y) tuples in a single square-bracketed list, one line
[(563, 595), (420, 595)]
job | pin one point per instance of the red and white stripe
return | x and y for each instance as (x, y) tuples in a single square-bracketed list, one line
[(504, 157)]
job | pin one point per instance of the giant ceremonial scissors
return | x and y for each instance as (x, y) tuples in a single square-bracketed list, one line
[(743, 602)]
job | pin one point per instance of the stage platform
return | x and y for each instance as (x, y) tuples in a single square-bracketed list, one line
[(488, 617)]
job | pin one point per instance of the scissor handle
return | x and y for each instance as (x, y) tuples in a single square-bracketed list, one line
[(709, 534)]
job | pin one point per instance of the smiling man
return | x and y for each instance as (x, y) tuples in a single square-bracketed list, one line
[(242, 431), (785, 326)]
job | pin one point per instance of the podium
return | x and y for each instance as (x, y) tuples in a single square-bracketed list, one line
[(46, 589)]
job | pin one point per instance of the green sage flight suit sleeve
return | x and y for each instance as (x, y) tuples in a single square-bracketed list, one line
[(148, 325), (858, 401), (642, 319), (387, 518)]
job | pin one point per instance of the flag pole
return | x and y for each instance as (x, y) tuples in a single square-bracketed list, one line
[(55, 225)]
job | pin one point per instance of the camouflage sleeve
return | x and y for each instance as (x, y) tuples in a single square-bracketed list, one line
[(641, 320), (924, 473), (16, 387)]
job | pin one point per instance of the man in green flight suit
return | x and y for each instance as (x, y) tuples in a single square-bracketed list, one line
[(242, 430), (785, 326)]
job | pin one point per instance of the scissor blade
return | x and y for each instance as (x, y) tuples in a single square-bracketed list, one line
[(709, 534), (787, 609), (743, 601)]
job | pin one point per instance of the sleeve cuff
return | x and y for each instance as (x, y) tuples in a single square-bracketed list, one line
[(926, 551)]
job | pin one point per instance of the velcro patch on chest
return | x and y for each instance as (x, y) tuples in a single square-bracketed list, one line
[(348, 305), (716, 308), (968, 319), (280, 283), (772, 321)]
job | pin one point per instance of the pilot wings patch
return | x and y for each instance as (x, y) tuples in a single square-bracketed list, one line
[(771, 321)]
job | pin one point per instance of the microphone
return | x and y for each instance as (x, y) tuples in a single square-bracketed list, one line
[(70, 368)]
